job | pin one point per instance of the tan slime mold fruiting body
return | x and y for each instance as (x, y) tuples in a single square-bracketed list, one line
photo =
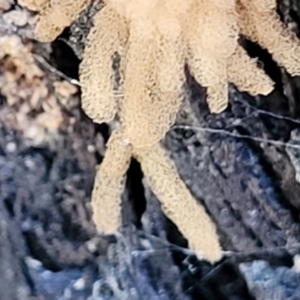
[(110, 32), (214, 55), (55, 15), (35, 5), (155, 39), (151, 86), (258, 21)]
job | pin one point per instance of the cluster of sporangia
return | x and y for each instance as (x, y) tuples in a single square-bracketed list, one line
[(155, 39)]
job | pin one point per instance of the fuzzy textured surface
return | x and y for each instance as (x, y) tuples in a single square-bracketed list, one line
[(154, 40)]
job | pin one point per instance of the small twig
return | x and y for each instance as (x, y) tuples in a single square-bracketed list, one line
[(264, 112), (53, 70), (237, 135)]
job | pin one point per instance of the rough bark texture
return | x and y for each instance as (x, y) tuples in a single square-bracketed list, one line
[(242, 165)]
